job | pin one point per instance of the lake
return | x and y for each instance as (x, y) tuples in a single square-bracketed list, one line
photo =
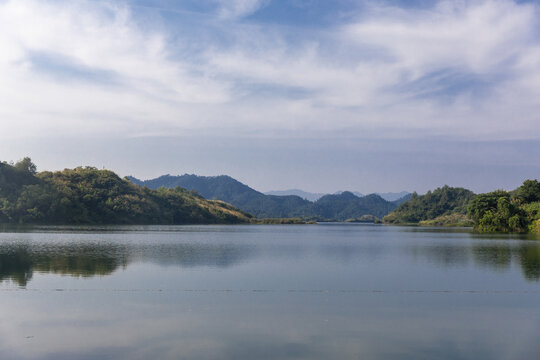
[(326, 291)]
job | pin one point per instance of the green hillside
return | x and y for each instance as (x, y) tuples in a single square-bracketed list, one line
[(86, 195), (502, 211), (347, 205), (232, 191), (516, 211), (442, 206)]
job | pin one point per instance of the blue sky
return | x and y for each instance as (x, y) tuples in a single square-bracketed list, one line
[(318, 95)]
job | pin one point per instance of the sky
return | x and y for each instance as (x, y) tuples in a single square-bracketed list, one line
[(368, 96)]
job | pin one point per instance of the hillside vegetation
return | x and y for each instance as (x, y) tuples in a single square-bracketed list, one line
[(503, 211), (232, 191), (86, 195), (438, 206), (516, 211), (338, 207), (347, 205)]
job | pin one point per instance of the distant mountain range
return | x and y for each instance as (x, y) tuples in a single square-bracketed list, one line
[(340, 206), (389, 196), (303, 194)]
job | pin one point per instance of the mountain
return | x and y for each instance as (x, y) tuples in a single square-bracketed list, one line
[(388, 196), (393, 196), (356, 193), (400, 200), (347, 205), (86, 195), (340, 206), (232, 191), (303, 194)]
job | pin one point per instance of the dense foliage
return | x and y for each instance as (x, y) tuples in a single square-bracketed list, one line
[(329, 207), (440, 202), (502, 211), (516, 211), (86, 195)]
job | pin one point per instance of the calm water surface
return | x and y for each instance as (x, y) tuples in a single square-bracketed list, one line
[(332, 291)]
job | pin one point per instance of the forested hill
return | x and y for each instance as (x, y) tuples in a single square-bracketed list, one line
[(445, 204), (349, 206), (219, 187), (232, 191), (332, 207), (516, 211), (89, 196)]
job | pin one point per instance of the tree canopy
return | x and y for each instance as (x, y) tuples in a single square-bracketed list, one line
[(516, 211), (439, 202), (85, 195), (503, 211)]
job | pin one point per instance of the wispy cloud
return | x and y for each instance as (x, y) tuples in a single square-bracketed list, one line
[(234, 9), (41, 40), (450, 69), (478, 36), (462, 69)]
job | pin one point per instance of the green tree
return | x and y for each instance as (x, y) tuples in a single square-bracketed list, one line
[(442, 201), (485, 202), (27, 165), (497, 212), (85, 195), (529, 191)]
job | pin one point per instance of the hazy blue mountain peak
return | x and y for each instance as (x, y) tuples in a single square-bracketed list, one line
[(356, 193), (393, 196), (297, 192)]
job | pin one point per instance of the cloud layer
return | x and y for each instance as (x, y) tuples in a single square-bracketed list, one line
[(462, 69)]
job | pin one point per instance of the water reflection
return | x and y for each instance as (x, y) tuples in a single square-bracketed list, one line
[(530, 262), (494, 256), (314, 292), (501, 257), (92, 253), (192, 255), (16, 265), (18, 262)]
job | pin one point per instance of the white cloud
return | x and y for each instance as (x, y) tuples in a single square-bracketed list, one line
[(100, 37), (451, 69), (478, 35), (467, 68), (233, 9)]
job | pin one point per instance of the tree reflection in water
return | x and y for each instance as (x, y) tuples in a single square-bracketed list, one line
[(18, 262), (495, 256)]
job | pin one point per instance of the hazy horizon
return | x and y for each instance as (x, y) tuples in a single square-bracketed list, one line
[(480, 167)]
